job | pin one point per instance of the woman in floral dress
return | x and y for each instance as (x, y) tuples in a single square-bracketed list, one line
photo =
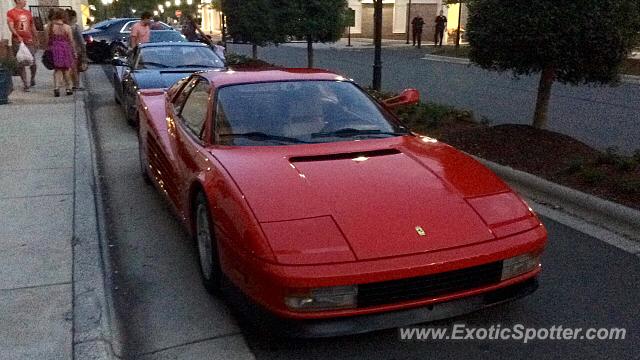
[(60, 40)]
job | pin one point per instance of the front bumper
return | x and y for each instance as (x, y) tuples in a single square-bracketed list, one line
[(266, 321)]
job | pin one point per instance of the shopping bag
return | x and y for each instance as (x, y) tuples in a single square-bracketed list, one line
[(24, 56)]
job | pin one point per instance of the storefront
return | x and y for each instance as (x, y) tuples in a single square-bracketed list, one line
[(210, 18), (397, 14)]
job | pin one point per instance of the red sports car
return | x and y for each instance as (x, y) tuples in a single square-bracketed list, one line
[(311, 200)]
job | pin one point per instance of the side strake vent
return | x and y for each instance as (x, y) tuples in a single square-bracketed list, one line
[(343, 156)]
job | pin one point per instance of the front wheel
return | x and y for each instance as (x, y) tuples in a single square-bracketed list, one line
[(207, 246)]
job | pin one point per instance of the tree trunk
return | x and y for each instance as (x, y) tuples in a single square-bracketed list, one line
[(547, 77), (309, 52), (254, 51)]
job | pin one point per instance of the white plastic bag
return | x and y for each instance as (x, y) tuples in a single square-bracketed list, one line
[(24, 56)]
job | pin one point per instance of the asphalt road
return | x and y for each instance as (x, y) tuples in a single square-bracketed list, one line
[(600, 116), (165, 312)]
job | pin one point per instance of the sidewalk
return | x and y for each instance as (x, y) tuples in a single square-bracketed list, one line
[(43, 170)]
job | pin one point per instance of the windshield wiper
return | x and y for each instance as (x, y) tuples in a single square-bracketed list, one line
[(257, 135), (193, 65), (143, 63), (346, 132)]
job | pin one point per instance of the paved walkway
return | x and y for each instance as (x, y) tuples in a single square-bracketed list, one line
[(41, 316)]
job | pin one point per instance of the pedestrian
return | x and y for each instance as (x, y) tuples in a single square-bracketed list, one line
[(23, 30), (81, 50), (60, 43), (156, 24), (416, 30), (141, 31), (192, 31), (441, 23)]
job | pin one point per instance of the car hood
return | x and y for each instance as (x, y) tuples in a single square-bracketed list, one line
[(378, 192), (162, 78)]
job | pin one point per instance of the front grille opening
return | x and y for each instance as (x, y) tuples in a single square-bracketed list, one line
[(395, 291)]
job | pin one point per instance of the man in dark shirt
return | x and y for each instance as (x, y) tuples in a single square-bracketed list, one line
[(441, 23), (416, 30)]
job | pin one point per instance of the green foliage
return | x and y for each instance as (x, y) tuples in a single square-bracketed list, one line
[(630, 186), (242, 61), (583, 41), (254, 21), (592, 175), (315, 20)]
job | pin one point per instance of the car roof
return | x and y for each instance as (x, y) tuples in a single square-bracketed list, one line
[(171, 43), (233, 77)]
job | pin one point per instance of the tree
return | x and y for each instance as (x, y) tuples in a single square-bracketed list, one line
[(254, 22), (315, 21), (572, 42)]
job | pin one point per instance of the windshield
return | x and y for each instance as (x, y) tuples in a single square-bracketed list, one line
[(291, 112), (166, 36), (162, 57)]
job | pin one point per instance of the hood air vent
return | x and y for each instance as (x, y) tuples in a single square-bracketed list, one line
[(343, 156)]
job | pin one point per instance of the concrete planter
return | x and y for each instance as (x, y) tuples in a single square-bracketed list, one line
[(6, 85)]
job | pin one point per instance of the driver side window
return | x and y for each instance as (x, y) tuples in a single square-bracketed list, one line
[(195, 107)]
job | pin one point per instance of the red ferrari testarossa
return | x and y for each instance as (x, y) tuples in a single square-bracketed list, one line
[(312, 200)]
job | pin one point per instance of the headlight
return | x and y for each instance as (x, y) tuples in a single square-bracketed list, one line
[(519, 265), (329, 298)]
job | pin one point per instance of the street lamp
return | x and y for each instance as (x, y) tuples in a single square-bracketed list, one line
[(177, 2), (155, 12), (189, 2), (167, 4)]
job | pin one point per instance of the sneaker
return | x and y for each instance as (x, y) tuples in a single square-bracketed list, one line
[(33, 82), (69, 92), (78, 88), (56, 92)]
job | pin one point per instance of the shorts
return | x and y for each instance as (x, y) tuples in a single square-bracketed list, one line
[(31, 47)]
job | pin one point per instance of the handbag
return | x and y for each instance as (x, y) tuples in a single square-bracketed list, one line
[(47, 59)]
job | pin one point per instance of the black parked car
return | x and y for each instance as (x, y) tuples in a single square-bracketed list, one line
[(108, 37), (158, 66)]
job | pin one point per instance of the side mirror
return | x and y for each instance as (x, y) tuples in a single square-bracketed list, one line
[(407, 97), (118, 61)]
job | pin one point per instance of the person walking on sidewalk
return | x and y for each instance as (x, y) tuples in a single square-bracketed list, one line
[(441, 23), (60, 42), (23, 30), (79, 45), (416, 30), (141, 31)]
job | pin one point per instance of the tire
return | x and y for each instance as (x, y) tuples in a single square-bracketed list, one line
[(207, 244), (144, 163)]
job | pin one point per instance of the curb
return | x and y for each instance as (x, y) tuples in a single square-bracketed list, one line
[(615, 217), (447, 59), (629, 79), (93, 316)]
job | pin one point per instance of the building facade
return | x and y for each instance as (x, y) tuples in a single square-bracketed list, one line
[(397, 15)]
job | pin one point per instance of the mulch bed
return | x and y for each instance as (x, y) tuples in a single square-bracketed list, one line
[(553, 156)]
